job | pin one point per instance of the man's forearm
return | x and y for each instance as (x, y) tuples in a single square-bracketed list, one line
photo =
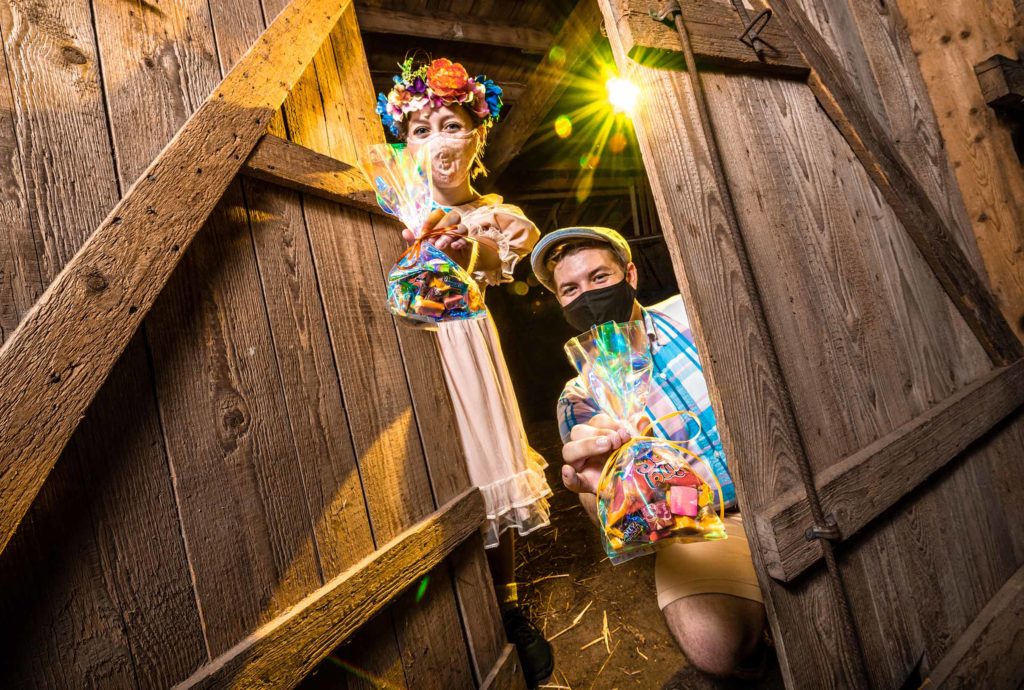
[(589, 503)]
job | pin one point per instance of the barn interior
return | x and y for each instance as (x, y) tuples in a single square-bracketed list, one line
[(235, 459)]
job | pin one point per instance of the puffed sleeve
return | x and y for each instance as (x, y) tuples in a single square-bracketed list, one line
[(510, 230)]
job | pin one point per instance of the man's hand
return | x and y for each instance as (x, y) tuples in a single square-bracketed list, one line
[(587, 452)]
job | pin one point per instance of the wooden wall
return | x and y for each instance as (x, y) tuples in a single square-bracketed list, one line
[(949, 38), (262, 432)]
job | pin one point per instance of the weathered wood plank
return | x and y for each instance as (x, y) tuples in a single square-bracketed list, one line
[(282, 652), (863, 486), (21, 282), (283, 163), (440, 25), (243, 510), (544, 88), (63, 350), (478, 605), (112, 596), (312, 395), (990, 653), (505, 673), (932, 585), (714, 29), (897, 183)]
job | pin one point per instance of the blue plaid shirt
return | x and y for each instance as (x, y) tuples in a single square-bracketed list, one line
[(678, 383)]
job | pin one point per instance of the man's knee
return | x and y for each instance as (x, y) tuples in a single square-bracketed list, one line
[(716, 632)]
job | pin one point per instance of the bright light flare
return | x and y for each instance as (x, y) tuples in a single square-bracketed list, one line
[(622, 94)]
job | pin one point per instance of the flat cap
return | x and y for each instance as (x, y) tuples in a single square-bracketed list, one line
[(539, 257)]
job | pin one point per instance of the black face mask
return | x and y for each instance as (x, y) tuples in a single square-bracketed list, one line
[(613, 303)]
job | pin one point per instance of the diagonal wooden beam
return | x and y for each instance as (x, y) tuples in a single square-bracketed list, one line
[(859, 488), (990, 653), (300, 168), (544, 87), (54, 363), (452, 27), (847, 108), (282, 652)]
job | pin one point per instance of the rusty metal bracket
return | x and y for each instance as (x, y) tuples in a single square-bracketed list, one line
[(829, 531), (667, 13), (752, 31), (752, 26)]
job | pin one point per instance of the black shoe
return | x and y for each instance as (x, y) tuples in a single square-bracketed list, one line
[(535, 652)]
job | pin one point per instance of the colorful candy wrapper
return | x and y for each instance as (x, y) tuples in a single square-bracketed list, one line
[(425, 286), (652, 491)]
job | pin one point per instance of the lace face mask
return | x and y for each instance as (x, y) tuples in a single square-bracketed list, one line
[(451, 156)]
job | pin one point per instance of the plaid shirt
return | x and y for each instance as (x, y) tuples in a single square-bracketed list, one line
[(677, 384)]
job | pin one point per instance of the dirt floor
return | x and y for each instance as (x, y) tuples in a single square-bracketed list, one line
[(602, 620)]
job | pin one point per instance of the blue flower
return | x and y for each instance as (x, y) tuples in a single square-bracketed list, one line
[(492, 95), (385, 116)]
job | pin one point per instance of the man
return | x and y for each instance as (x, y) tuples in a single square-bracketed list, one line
[(707, 591)]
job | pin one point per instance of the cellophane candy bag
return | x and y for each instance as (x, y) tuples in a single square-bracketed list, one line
[(425, 285), (650, 492)]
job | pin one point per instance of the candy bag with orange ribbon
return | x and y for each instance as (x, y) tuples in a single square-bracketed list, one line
[(425, 285), (652, 491)]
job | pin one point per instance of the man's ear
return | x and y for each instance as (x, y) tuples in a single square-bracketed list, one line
[(631, 274)]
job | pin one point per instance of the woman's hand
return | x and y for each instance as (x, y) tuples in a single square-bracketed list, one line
[(436, 220), (433, 220)]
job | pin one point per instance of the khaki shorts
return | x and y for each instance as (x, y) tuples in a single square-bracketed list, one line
[(709, 567)]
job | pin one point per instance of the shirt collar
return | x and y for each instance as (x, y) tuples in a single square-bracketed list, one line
[(652, 330)]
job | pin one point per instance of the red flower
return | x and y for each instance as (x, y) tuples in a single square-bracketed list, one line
[(447, 79)]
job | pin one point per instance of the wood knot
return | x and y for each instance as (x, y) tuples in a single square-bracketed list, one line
[(73, 55), (96, 281), (234, 419)]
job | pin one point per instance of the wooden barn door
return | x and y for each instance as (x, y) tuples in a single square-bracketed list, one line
[(849, 340), (221, 495)]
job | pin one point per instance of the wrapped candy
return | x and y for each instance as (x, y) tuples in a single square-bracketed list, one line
[(425, 285), (652, 491)]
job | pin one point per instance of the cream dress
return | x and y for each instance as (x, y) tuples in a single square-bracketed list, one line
[(501, 462)]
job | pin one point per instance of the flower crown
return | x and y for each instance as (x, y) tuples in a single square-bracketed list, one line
[(440, 83)]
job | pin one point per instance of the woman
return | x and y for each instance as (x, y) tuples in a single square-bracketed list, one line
[(439, 105)]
